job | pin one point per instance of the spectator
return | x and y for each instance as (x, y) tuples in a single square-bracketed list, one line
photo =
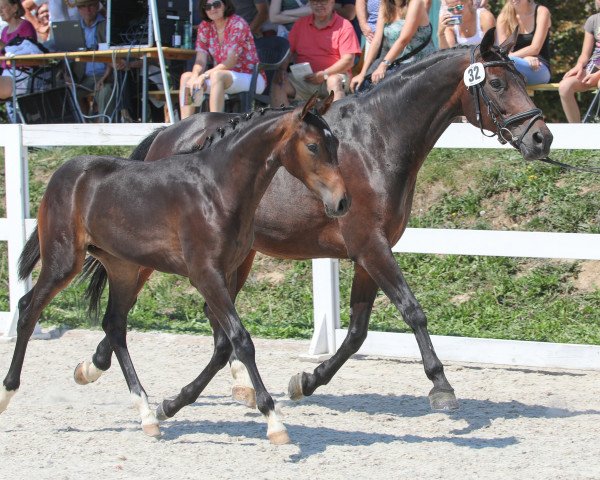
[(328, 43), (586, 73), (286, 12), (11, 12), (474, 23), (531, 53), (57, 11), (256, 14), (227, 38), (402, 27), (366, 13), (94, 76)]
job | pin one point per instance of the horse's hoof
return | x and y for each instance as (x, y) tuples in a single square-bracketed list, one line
[(295, 387), (244, 395), (160, 413), (279, 438), (151, 430), (79, 376), (443, 401)]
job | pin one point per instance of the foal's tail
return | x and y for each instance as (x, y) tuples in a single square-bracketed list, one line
[(30, 256), (140, 152)]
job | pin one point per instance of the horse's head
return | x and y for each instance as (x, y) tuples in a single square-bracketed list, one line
[(311, 155), (497, 100)]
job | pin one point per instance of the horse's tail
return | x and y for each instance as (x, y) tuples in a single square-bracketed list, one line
[(140, 152), (30, 256), (96, 273)]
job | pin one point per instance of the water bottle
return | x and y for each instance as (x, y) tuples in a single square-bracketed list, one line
[(176, 38), (187, 35)]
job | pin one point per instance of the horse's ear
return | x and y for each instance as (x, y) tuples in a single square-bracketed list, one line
[(488, 41), (509, 43), (325, 104), (309, 105)]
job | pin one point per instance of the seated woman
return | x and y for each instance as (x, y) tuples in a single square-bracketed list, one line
[(531, 53), (227, 38), (586, 73), (286, 12), (474, 22), (403, 27), (11, 12)]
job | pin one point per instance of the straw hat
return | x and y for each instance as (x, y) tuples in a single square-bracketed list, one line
[(84, 3)]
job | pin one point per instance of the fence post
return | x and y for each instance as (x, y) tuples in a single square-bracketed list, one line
[(326, 305), (17, 210)]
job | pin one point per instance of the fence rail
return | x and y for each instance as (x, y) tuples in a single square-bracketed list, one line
[(17, 225)]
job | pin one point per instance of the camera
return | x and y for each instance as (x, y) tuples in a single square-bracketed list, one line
[(455, 20)]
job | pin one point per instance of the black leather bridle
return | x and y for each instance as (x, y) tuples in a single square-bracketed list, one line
[(500, 121)]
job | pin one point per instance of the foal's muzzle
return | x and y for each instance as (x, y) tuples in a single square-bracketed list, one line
[(340, 207)]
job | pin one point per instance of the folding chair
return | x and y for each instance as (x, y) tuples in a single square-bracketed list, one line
[(595, 117)]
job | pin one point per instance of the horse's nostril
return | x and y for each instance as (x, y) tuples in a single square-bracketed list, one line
[(343, 205), (538, 137)]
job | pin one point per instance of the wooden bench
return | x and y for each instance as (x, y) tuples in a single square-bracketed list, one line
[(546, 87)]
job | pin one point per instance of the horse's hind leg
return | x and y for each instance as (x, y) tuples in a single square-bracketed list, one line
[(89, 371), (54, 276), (123, 280), (191, 392), (362, 296), (216, 294)]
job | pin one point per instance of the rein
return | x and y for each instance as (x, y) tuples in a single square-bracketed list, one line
[(502, 123), (494, 112)]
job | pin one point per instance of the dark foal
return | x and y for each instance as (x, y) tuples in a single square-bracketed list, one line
[(385, 136), (191, 215)]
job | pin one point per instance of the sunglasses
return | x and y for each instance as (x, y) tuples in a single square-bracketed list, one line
[(456, 8), (215, 4)]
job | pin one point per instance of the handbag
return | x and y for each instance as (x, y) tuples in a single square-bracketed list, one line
[(368, 82)]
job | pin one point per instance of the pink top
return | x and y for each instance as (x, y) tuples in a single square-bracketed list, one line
[(237, 36), (24, 30), (322, 47)]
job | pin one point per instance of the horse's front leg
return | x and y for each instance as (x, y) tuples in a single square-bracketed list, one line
[(383, 268), (213, 288), (362, 296)]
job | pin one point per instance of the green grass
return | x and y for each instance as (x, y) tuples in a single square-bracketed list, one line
[(462, 295)]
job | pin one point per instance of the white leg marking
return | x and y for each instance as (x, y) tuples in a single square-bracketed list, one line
[(91, 372), (141, 403), (240, 374), (5, 396), (276, 431)]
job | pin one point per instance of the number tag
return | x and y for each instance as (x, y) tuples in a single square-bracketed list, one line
[(474, 74)]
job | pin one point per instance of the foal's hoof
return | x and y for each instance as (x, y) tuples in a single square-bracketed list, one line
[(244, 395), (295, 387), (279, 438), (79, 375), (151, 430), (443, 401)]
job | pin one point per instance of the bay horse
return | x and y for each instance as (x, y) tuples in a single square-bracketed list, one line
[(385, 136), (191, 215)]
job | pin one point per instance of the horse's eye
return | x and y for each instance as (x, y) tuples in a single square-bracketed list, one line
[(496, 84), (313, 147)]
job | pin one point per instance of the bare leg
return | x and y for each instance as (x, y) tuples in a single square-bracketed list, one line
[(220, 81), (567, 89)]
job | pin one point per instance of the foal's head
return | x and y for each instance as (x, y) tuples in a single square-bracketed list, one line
[(501, 99), (309, 152)]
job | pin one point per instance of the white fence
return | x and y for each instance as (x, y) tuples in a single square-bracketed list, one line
[(17, 226)]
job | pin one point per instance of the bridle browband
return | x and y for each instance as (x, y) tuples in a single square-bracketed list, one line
[(502, 123)]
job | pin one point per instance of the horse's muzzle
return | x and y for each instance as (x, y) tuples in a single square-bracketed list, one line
[(340, 208), (536, 144)]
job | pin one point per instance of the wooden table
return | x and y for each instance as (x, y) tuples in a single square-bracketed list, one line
[(105, 56)]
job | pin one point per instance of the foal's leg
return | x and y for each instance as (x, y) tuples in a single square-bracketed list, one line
[(54, 277), (191, 392), (89, 371), (123, 281), (214, 290), (362, 296)]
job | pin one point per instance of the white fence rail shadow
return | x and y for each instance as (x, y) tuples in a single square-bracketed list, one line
[(17, 226)]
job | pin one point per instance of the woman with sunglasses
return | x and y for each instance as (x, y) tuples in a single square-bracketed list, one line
[(463, 24), (531, 52), (402, 26), (226, 38)]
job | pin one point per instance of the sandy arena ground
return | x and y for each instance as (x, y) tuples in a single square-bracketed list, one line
[(372, 421)]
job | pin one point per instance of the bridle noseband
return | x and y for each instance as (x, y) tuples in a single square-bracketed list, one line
[(494, 112)]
